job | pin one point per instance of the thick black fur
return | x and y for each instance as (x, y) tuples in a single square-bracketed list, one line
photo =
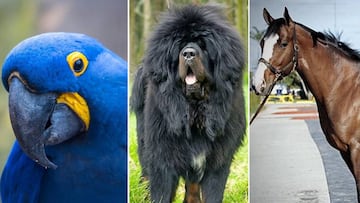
[(172, 143)]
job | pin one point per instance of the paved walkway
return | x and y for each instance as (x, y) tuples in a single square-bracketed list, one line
[(286, 164), (341, 183)]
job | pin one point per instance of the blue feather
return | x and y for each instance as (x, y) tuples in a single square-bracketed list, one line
[(26, 188), (92, 167)]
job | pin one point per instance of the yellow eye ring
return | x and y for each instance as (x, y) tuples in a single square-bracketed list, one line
[(77, 62)]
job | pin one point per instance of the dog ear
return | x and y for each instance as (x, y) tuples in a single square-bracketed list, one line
[(267, 17)]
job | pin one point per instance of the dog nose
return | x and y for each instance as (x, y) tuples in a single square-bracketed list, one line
[(189, 53)]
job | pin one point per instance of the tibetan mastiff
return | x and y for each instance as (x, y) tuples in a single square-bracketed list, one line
[(188, 100)]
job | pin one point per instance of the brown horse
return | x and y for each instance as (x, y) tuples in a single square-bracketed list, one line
[(331, 70)]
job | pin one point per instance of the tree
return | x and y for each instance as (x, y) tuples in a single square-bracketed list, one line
[(256, 34)]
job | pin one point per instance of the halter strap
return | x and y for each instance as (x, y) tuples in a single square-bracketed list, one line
[(281, 72)]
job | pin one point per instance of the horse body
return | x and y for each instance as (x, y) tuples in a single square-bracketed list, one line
[(334, 80), (330, 69)]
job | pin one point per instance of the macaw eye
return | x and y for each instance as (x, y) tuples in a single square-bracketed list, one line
[(78, 65), (78, 62)]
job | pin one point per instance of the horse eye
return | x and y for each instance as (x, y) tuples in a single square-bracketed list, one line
[(283, 44)]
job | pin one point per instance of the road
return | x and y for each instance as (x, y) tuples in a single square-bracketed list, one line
[(290, 160)]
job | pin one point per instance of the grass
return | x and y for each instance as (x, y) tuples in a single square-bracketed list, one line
[(254, 102), (236, 187), (138, 190)]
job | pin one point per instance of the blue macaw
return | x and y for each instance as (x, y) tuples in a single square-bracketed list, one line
[(68, 110)]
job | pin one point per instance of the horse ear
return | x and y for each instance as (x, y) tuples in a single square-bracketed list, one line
[(287, 17), (267, 17)]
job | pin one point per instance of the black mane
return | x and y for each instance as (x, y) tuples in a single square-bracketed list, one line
[(333, 40), (325, 37), (343, 46)]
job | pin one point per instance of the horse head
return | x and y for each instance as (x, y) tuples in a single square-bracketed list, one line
[(278, 52)]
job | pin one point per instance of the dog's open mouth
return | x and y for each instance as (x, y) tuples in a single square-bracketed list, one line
[(190, 78), (193, 87)]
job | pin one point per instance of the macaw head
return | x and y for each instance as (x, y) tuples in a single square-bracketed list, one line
[(46, 76)]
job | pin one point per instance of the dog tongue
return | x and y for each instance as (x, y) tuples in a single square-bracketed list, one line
[(190, 79)]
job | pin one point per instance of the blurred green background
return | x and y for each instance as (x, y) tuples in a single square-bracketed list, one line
[(104, 20)]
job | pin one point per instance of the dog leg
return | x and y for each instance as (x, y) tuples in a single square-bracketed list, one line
[(213, 185), (163, 184), (192, 194)]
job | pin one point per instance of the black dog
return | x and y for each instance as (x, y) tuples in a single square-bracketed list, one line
[(189, 104)]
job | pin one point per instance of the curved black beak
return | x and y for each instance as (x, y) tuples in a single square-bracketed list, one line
[(38, 120)]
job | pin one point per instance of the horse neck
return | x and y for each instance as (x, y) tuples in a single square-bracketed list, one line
[(322, 68)]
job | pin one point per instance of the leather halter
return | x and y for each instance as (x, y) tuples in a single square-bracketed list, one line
[(281, 72), (278, 72)]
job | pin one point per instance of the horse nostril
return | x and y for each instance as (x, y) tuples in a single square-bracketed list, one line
[(262, 89), (263, 83), (262, 86)]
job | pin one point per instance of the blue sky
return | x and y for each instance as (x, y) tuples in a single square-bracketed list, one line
[(321, 15)]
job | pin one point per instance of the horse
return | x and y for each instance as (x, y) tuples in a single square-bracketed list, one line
[(331, 71)]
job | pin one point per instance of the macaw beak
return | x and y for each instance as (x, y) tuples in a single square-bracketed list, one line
[(39, 120)]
